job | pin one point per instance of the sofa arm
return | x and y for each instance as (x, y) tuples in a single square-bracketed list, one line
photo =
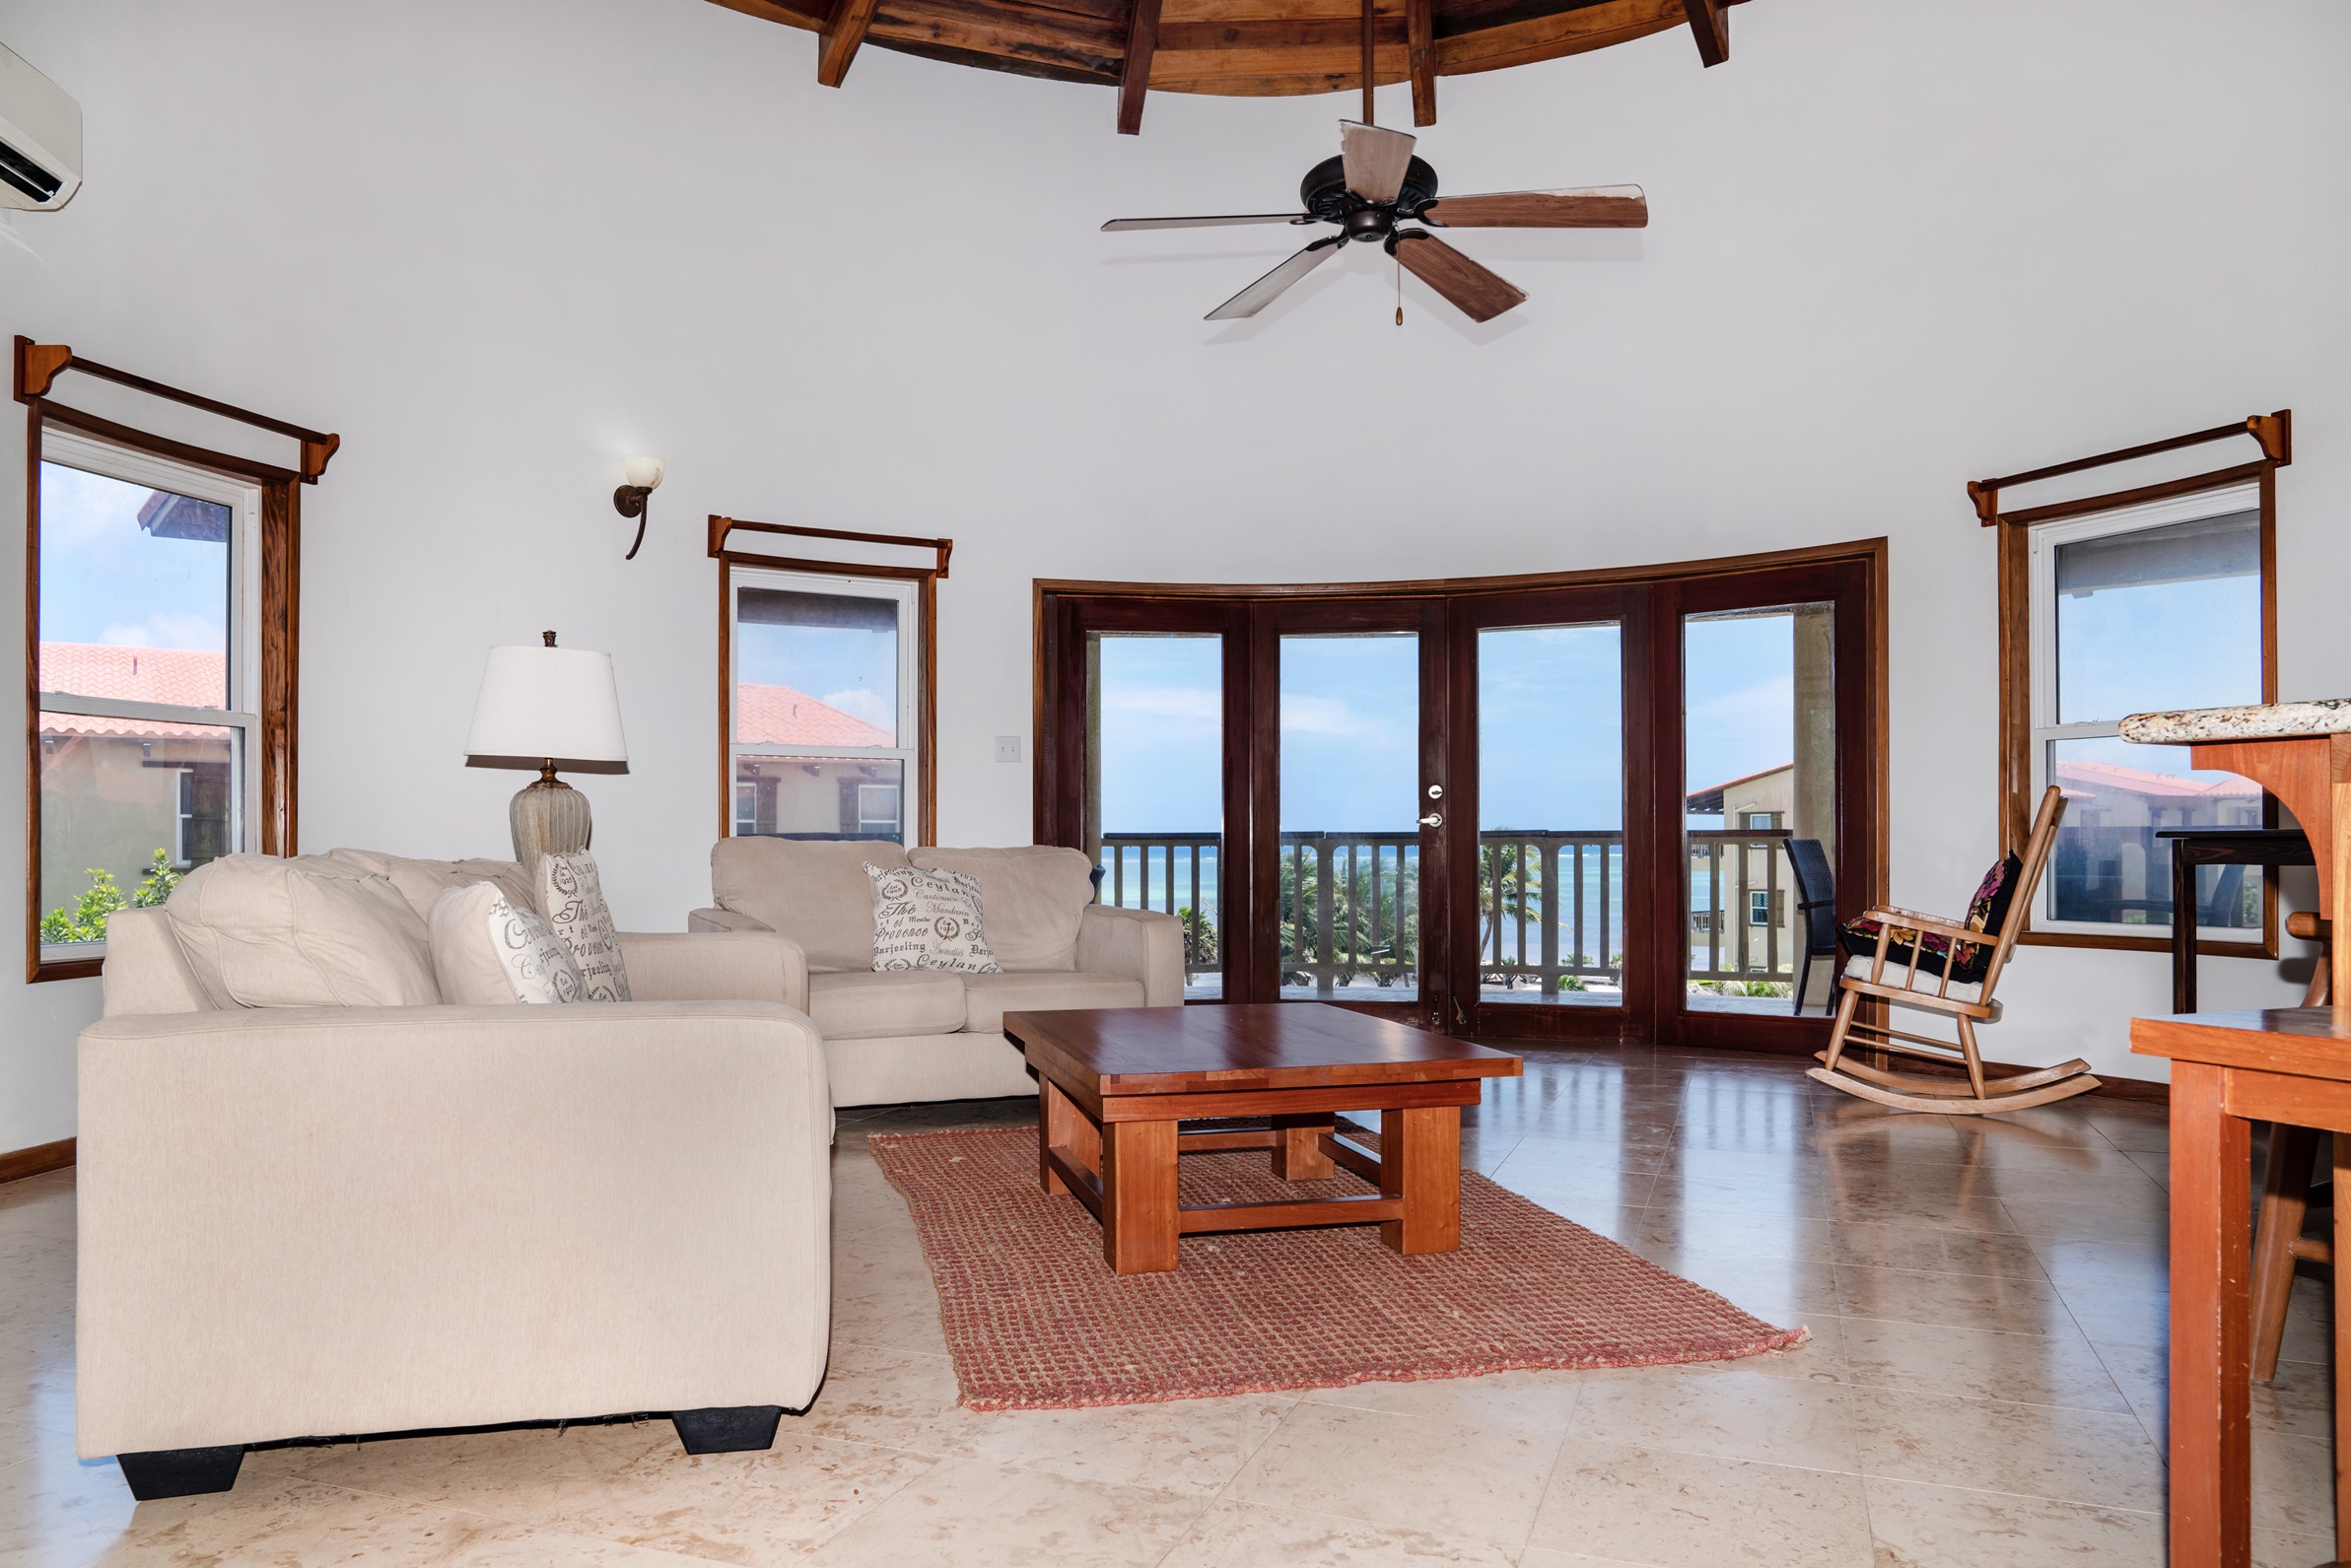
[(715, 966), (1143, 944), (305, 1221), (724, 921)]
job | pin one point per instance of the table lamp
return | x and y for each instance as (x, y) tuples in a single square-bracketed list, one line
[(548, 707)]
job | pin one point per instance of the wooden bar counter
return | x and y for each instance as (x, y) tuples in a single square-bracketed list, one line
[(2229, 1071)]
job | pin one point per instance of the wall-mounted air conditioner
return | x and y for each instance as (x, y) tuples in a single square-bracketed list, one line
[(40, 139)]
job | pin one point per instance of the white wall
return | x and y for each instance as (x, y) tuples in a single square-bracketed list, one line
[(497, 245)]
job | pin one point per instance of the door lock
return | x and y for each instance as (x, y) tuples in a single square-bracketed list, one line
[(1436, 791), (1433, 820)]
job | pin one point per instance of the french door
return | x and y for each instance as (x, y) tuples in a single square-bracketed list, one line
[(1551, 811)]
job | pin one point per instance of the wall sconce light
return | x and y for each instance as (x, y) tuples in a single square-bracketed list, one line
[(644, 478)]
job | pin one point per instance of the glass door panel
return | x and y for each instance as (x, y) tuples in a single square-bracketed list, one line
[(1758, 769), (1154, 787), (1551, 816), (1348, 860)]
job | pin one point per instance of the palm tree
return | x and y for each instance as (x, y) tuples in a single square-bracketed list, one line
[(1509, 885)]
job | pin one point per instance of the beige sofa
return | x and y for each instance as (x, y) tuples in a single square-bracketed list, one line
[(923, 1034), (313, 1221)]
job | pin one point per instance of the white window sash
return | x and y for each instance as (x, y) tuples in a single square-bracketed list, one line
[(846, 584), (73, 449), (2043, 625)]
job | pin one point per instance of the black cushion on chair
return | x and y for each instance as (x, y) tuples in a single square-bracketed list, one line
[(1986, 912)]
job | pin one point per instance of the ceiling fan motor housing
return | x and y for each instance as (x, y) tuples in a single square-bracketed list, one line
[(1324, 193)]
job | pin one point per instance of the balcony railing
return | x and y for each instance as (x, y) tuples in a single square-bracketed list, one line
[(1727, 869), (1550, 916)]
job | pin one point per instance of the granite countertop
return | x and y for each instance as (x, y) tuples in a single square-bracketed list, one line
[(2324, 716)]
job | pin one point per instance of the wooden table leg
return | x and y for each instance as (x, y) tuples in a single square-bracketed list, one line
[(2183, 930), (2342, 1349), (1420, 1163), (2285, 1200), (1061, 1125), (1139, 1196), (2211, 1324), (1299, 1156)]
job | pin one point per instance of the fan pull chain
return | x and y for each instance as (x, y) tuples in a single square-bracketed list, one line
[(1400, 291)]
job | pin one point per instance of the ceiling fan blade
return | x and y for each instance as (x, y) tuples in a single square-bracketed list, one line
[(1479, 294), (1118, 224), (1269, 287), (1598, 207), (1375, 159)]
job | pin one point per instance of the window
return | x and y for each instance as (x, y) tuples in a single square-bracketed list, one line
[(2148, 607), (147, 669), (824, 681)]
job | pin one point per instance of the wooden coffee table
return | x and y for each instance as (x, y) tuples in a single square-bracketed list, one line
[(1114, 1084)]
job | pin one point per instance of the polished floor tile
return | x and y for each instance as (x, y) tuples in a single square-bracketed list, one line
[(1635, 1505), (1984, 1385)]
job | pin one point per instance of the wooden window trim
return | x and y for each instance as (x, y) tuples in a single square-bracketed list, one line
[(278, 612), (2274, 434), (925, 579)]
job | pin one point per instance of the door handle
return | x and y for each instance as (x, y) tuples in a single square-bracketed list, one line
[(1434, 819)]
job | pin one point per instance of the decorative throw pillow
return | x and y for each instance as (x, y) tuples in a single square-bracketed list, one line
[(927, 919), (1969, 962), (486, 952), (572, 898)]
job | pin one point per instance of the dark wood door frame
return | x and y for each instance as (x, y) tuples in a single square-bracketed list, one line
[(1627, 605), (1859, 860), (1649, 601), (1269, 622)]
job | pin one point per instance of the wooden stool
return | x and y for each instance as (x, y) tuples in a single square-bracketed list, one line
[(2287, 1193)]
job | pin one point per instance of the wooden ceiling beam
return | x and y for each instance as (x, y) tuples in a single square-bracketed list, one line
[(1710, 24), (1135, 74), (842, 36), (1419, 31)]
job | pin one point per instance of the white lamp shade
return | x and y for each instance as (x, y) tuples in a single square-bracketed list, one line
[(643, 472), (548, 702)]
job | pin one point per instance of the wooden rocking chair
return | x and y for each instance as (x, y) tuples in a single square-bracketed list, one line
[(1947, 948)]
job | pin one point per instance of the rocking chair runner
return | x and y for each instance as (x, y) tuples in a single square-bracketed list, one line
[(1951, 953)]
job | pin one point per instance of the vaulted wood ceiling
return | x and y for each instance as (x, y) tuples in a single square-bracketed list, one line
[(1238, 47)]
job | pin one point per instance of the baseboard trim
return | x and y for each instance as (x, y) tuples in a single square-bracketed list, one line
[(2145, 1090), (18, 1164)]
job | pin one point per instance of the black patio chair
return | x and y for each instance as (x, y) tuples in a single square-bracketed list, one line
[(1815, 910)]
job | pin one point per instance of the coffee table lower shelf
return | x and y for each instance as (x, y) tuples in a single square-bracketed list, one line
[(1123, 1167)]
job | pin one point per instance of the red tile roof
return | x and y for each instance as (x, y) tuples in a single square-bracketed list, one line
[(2091, 776), (181, 676), (781, 716)]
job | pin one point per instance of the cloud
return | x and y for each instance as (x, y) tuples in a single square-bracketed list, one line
[(1193, 704), (167, 629), (1323, 716), (863, 702)]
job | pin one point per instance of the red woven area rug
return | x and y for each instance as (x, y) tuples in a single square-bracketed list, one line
[(1036, 1321)]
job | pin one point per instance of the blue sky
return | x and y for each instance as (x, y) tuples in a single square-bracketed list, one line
[(105, 579), (854, 670), (1551, 738)]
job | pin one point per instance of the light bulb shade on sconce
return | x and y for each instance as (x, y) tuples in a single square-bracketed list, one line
[(548, 707), (643, 478)]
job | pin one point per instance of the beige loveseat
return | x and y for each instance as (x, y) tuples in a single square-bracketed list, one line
[(923, 1034), (305, 1221)]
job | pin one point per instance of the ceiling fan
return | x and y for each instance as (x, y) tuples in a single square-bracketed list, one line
[(1375, 189)]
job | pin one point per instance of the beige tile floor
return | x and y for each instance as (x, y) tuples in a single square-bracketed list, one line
[(1984, 1385)]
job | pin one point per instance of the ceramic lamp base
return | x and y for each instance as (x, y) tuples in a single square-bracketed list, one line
[(547, 817)]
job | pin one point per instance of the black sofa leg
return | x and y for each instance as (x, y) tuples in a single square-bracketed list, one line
[(181, 1471), (727, 1428)]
